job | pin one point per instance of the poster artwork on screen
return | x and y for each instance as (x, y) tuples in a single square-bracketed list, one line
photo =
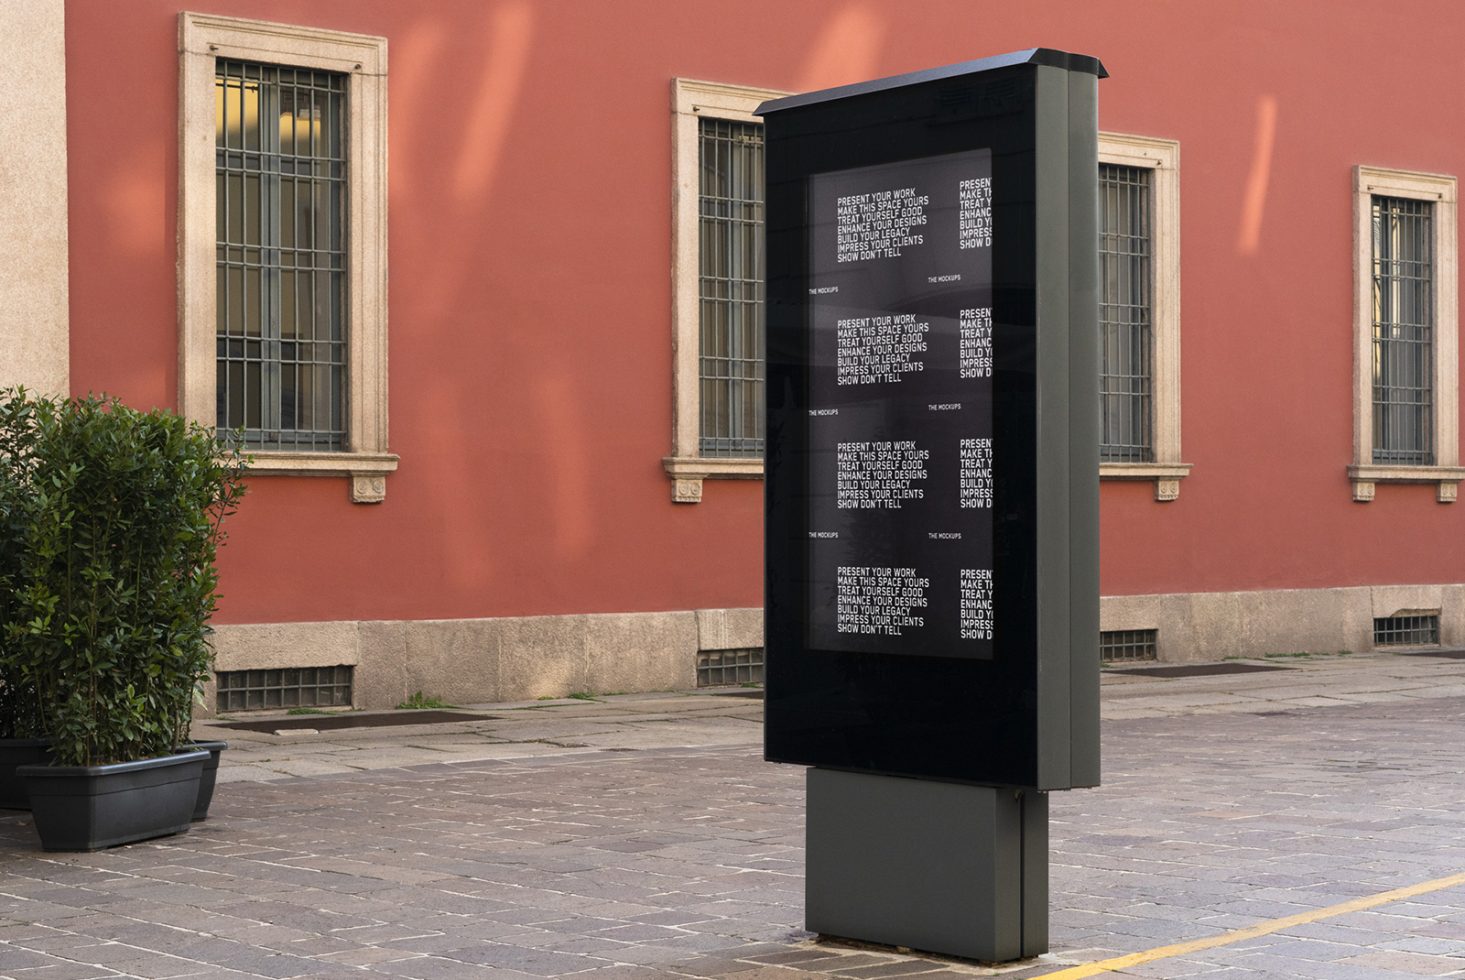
[(900, 408)]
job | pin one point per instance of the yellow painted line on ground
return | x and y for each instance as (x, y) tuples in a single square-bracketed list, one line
[(1251, 932)]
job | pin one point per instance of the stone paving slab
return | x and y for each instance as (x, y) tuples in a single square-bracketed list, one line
[(642, 837), (528, 729)]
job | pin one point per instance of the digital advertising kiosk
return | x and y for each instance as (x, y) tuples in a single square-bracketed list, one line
[(932, 490)]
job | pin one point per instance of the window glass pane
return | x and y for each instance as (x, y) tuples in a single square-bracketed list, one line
[(282, 197), (338, 308), (730, 241), (249, 112), (305, 303), (1403, 331), (288, 207), (1126, 339), (289, 315)]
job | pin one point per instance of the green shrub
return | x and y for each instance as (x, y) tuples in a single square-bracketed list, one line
[(107, 607), (19, 710)]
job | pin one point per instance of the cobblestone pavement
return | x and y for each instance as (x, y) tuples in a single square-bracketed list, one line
[(643, 837)]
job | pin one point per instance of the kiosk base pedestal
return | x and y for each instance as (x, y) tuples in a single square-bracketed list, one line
[(939, 867)]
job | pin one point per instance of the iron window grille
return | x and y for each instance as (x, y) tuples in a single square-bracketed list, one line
[(298, 687), (730, 275), (1126, 348), (280, 180), (1403, 331), (721, 668), (1414, 629), (1128, 646)]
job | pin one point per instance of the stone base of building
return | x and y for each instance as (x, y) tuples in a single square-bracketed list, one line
[(1204, 626), (471, 661)]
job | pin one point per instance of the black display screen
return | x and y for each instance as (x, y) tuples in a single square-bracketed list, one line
[(899, 453), (921, 252)]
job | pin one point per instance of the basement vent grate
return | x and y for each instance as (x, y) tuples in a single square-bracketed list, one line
[(293, 687), (1128, 646), (723, 668), (1407, 629)]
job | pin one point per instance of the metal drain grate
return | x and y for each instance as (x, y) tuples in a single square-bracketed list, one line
[(1407, 629), (1128, 646), (1439, 655), (1197, 670), (291, 687), (721, 668), (322, 723)]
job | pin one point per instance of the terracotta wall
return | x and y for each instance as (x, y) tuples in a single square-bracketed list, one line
[(530, 254)]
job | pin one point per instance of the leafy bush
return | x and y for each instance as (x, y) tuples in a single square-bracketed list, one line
[(106, 608), (19, 710)]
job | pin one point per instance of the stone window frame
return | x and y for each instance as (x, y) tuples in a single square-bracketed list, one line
[(202, 40), (1162, 158), (691, 101), (1441, 191)]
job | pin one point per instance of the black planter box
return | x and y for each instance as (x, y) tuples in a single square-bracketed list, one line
[(207, 779), (19, 752), (86, 808)]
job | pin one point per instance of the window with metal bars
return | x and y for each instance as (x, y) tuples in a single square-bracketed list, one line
[(280, 180), (1403, 331), (1126, 378), (1128, 646), (1415, 628), (299, 687), (731, 287)]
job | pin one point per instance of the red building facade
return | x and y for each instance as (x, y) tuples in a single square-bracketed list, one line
[(521, 502)]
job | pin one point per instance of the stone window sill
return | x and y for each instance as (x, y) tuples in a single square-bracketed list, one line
[(368, 471), (688, 472), (1167, 476), (1366, 476)]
